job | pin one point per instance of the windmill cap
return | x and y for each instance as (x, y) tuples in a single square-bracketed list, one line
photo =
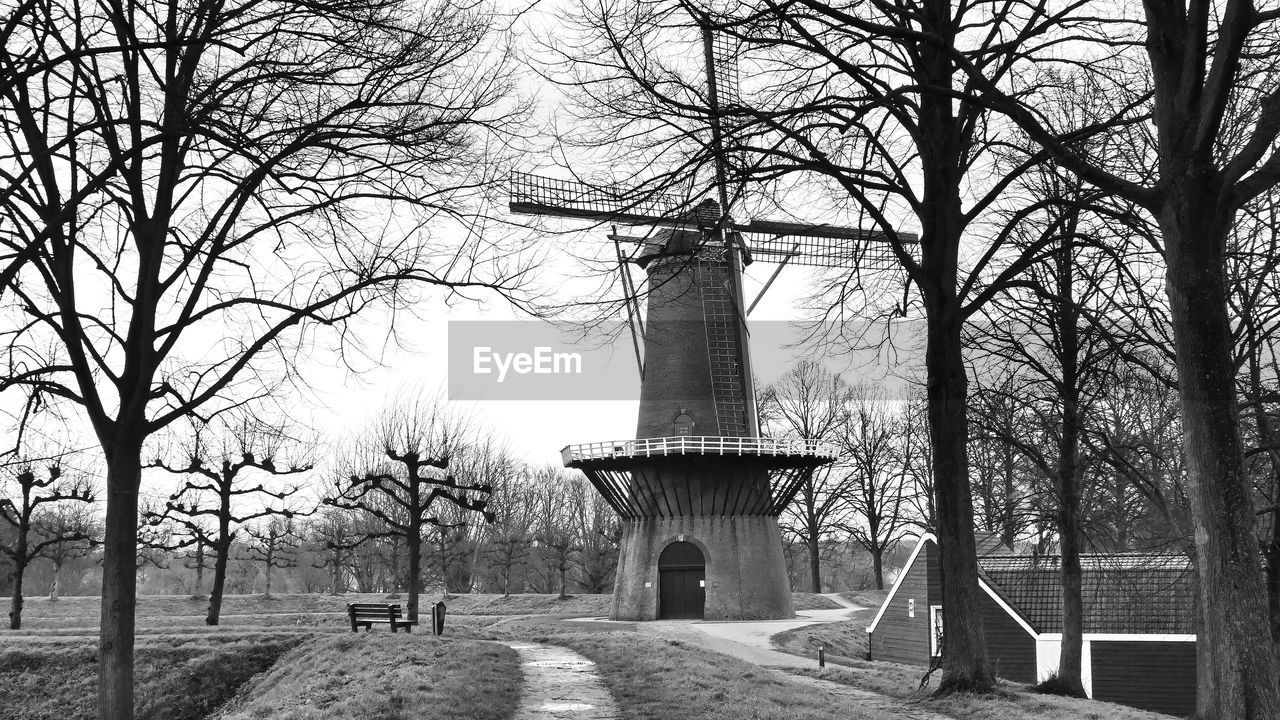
[(670, 242), (707, 214)]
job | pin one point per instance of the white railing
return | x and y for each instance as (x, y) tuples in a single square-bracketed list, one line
[(697, 445)]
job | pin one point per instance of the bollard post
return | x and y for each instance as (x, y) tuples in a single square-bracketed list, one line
[(822, 656)]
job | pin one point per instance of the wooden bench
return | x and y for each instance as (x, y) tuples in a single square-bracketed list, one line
[(367, 614)]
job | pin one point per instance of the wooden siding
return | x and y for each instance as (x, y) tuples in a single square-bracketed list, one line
[(1157, 676), (897, 637), (1011, 648)]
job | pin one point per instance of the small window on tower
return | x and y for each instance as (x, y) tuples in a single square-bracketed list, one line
[(683, 424)]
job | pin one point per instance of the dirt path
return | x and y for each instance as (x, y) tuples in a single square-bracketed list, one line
[(842, 600), (559, 683), (753, 642)]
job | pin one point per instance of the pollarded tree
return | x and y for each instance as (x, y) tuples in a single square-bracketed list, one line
[(223, 461), (192, 191), (26, 495), (417, 440)]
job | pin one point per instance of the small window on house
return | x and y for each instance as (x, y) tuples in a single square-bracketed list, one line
[(935, 630), (911, 607)]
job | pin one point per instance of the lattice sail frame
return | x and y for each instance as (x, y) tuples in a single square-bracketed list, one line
[(811, 244)]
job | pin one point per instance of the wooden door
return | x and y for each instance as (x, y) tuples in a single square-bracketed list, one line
[(682, 575)]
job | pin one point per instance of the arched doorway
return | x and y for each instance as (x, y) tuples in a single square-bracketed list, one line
[(682, 575)]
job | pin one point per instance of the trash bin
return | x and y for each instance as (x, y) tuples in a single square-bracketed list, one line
[(437, 618)]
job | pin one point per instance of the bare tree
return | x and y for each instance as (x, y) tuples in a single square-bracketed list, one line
[(913, 449), (598, 533), (508, 544), (877, 474), (418, 438), (554, 542), (222, 459), (811, 402), (1211, 71), (74, 530), (26, 495), (273, 542), (336, 535)]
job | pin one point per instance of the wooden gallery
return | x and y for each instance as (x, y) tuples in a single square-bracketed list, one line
[(1139, 627)]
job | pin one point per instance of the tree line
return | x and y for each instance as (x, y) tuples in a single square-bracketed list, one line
[(225, 517)]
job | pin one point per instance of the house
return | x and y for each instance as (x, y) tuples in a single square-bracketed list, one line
[(1139, 639)]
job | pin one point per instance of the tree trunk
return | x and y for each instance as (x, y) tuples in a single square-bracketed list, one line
[(815, 566), (1009, 515), (415, 561), (941, 141), (395, 565), (964, 660), (1273, 576), (271, 553), (56, 585), (221, 551), (337, 573), (19, 568), (199, 566), (877, 566), (1071, 649), (1238, 670), (119, 582)]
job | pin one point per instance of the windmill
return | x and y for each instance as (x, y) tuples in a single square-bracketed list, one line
[(698, 490)]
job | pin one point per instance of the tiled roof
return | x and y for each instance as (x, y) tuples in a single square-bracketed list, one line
[(990, 544), (1123, 593)]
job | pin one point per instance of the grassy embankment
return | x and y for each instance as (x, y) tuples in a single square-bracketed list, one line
[(186, 669)]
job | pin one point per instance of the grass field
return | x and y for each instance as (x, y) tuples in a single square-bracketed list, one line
[(292, 657), (169, 612)]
